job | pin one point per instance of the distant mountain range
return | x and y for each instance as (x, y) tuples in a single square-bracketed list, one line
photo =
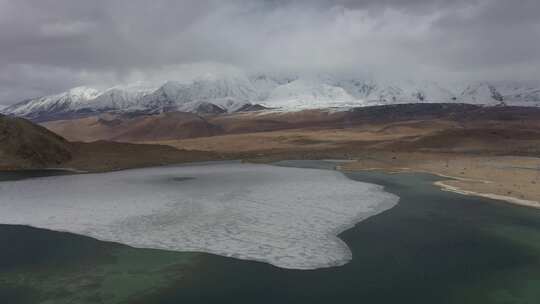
[(233, 93)]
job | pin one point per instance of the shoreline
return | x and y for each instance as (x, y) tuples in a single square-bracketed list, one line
[(343, 166), (455, 189), (508, 199)]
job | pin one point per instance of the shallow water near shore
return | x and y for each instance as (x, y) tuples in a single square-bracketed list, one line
[(433, 247)]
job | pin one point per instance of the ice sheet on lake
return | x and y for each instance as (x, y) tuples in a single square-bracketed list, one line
[(288, 217)]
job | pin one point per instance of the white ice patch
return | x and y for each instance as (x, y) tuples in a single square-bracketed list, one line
[(288, 217)]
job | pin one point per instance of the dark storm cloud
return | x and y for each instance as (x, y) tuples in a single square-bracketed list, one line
[(47, 46)]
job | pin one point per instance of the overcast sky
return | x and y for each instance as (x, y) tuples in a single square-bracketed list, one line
[(49, 46)]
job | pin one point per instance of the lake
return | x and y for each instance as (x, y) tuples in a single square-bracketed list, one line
[(432, 247)]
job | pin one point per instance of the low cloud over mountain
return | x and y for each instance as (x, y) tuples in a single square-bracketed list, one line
[(51, 46)]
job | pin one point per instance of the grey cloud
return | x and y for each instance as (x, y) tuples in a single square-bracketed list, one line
[(48, 46)]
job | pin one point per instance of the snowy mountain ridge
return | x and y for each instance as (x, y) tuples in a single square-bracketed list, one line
[(215, 95)]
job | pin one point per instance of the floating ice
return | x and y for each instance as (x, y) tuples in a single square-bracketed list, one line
[(288, 217)]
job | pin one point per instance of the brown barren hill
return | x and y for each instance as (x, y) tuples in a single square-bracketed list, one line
[(165, 126), (388, 118), (504, 141), (26, 145), (180, 125), (107, 156)]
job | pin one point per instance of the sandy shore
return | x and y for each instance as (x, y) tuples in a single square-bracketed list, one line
[(509, 199), (512, 179)]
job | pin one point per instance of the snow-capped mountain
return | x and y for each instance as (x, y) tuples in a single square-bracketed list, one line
[(127, 98), (69, 101), (519, 93), (229, 93), (208, 95), (306, 94)]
